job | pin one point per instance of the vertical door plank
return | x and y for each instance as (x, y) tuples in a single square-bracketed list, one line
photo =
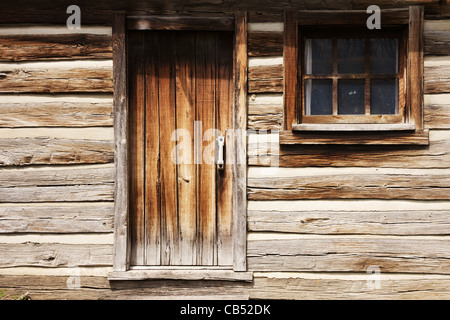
[(152, 160), (167, 116), (136, 146), (224, 105), (185, 109), (206, 200)]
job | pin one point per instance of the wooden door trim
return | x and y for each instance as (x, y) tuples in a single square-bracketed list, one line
[(122, 243)]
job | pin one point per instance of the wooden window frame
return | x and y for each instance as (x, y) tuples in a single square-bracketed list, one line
[(122, 244), (406, 128)]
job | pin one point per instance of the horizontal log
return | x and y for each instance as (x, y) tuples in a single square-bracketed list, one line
[(299, 286), (437, 79), (344, 254), (55, 114), (436, 43), (57, 219), (56, 77), (436, 155), (55, 255), (265, 44), (74, 184), (36, 47), (382, 186), (351, 222), (327, 134), (437, 116), (263, 79), (157, 22), (44, 150)]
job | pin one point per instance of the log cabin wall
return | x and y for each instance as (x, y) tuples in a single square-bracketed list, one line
[(317, 224)]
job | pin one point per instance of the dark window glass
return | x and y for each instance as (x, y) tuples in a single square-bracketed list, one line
[(318, 56), (351, 55), (383, 96), (351, 97), (318, 97), (383, 56)]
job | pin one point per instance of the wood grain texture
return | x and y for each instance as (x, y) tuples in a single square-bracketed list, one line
[(54, 47), (350, 187), (437, 79), (351, 222), (265, 44), (344, 254), (55, 255), (57, 219), (174, 22), (55, 114), (17, 78), (45, 150), (436, 43), (437, 116)]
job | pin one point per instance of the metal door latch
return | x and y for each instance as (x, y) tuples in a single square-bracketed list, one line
[(219, 161)]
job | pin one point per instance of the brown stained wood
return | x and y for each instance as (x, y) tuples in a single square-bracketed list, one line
[(189, 23), (224, 114), (170, 249), (351, 222), (265, 79), (290, 68), (55, 255), (415, 87), (18, 79), (152, 154), (343, 254), (44, 150), (258, 17), (57, 219), (54, 47), (186, 179), (265, 44), (206, 187), (354, 138), (120, 151), (55, 114), (136, 156), (412, 187), (437, 79), (265, 116), (436, 43), (436, 155), (240, 143)]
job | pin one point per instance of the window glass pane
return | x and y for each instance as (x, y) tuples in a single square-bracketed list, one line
[(318, 56), (318, 97), (351, 55), (351, 97), (384, 96), (383, 56)]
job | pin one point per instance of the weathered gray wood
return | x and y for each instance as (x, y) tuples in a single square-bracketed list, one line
[(351, 222), (77, 184), (240, 144), (437, 79), (44, 150), (122, 245), (344, 254), (55, 255), (186, 274), (55, 114), (264, 286), (437, 116), (436, 155), (385, 186), (38, 47), (21, 79), (57, 219), (436, 43)]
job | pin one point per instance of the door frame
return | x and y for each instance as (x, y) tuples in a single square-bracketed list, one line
[(122, 244)]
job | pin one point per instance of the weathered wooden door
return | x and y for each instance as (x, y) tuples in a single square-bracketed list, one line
[(180, 101)]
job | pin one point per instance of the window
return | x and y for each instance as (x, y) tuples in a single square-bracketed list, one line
[(342, 77)]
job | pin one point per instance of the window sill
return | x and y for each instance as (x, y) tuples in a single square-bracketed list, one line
[(181, 274), (353, 137), (350, 127)]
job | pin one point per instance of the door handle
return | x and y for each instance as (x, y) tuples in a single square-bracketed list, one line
[(219, 161)]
